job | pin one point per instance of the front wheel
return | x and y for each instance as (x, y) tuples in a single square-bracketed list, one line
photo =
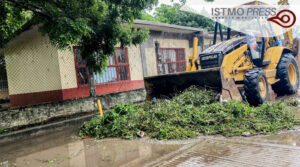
[(256, 87), (288, 73)]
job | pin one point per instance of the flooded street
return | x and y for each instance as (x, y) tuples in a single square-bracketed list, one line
[(64, 148)]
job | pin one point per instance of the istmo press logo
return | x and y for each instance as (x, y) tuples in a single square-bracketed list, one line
[(284, 18)]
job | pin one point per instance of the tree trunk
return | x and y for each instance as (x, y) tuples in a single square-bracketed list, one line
[(91, 81)]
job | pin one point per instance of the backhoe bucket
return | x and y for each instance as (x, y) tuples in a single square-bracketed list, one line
[(170, 84)]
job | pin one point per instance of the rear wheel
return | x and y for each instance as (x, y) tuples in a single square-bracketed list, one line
[(288, 73), (256, 87)]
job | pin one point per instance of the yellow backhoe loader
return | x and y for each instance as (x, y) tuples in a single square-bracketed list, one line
[(235, 69)]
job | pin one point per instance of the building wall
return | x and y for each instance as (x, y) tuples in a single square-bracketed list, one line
[(70, 89), (135, 71), (38, 72), (135, 63), (32, 65), (67, 68), (151, 59), (167, 40), (151, 62), (136, 80)]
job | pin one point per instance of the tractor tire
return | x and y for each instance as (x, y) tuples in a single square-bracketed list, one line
[(288, 73), (256, 87)]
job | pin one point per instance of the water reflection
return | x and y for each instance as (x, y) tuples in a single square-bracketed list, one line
[(88, 153), (65, 149), (290, 139)]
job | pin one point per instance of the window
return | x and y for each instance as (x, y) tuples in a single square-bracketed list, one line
[(80, 65), (3, 75), (171, 61), (117, 69)]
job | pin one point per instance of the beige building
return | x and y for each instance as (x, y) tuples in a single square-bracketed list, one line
[(174, 44), (38, 72)]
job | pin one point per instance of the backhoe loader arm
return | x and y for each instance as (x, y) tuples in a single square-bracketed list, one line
[(192, 59)]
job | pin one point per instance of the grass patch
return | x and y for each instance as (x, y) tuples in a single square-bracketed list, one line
[(190, 114)]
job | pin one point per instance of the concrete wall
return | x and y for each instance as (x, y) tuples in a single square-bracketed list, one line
[(32, 64), (166, 40), (38, 72), (135, 63), (151, 62), (67, 70), (45, 112)]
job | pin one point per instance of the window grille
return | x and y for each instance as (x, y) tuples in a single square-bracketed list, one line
[(171, 61), (117, 69), (81, 69)]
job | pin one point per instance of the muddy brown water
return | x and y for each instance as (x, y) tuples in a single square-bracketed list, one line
[(65, 148)]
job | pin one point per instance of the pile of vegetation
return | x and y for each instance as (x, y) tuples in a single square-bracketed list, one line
[(190, 114)]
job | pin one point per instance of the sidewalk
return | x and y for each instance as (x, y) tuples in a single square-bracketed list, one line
[(275, 150)]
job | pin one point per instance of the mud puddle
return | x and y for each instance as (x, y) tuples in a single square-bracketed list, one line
[(65, 149)]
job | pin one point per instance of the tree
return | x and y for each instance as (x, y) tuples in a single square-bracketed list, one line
[(94, 25), (173, 15), (146, 16), (11, 20)]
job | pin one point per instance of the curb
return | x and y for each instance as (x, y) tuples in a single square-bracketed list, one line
[(43, 129)]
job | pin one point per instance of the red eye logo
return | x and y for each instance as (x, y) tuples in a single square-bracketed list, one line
[(284, 18)]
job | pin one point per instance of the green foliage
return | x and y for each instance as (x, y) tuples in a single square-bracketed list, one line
[(56, 160), (122, 122), (3, 131), (146, 16), (95, 25), (190, 114), (11, 20), (173, 15)]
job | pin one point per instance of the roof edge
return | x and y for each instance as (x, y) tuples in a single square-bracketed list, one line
[(165, 25)]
